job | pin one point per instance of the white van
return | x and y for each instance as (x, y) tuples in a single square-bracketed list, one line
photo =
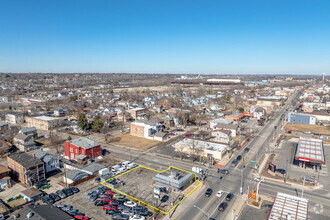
[(115, 168), (126, 163)]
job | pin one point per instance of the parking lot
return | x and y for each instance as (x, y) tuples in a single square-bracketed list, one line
[(286, 151), (138, 183)]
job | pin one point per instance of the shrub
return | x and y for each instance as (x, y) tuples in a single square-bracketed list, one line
[(255, 203)]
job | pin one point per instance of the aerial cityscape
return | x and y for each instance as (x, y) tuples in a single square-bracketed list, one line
[(159, 110)]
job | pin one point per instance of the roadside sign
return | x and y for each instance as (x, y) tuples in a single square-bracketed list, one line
[(157, 191), (203, 158), (271, 167), (252, 161)]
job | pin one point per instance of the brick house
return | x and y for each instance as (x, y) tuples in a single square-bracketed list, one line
[(145, 129), (81, 148), (28, 169)]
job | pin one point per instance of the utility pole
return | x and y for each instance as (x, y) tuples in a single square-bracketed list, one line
[(302, 193), (286, 170)]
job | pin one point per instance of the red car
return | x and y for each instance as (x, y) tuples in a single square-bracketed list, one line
[(109, 193), (81, 217), (108, 207), (106, 199)]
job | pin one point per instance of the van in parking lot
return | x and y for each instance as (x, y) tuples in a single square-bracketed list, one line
[(115, 168)]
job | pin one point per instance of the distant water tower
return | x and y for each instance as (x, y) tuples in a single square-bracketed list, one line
[(323, 77)]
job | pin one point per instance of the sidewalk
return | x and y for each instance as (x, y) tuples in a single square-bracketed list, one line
[(237, 208), (185, 204)]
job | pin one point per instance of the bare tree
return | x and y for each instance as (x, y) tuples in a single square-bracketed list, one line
[(56, 141)]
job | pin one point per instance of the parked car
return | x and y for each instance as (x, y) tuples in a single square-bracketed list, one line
[(144, 212), (222, 206), (106, 199), (54, 197), (130, 204), (108, 206), (282, 171), (309, 179), (208, 192), (114, 202), (139, 208), (259, 179), (118, 195), (112, 211), (120, 217), (61, 194), (47, 200), (93, 197), (121, 200), (81, 217), (229, 196), (109, 192), (100, 203), (164, 198), (64, 207), (74, 189), (224, 171), (137, 217), (220, 193), (122, 207), (67, 191), (127, 212)]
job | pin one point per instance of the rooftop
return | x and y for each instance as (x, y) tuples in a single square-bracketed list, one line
[(310, 149), (44, 118), (285, 205), (84, 143), (205, 145), (142, 123), (26, 160), (43, 212), (31, 192)]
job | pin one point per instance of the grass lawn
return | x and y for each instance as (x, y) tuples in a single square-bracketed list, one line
[(312, 128)]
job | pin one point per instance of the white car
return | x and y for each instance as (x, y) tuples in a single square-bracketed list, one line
[(220, 193), (262, 180), (137, 217), (127, 212), (130, 204)]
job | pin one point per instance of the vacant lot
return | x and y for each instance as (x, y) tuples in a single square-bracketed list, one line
[(312, 128), (133, 142)]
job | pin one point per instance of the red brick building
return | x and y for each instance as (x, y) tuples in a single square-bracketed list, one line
[(81, 148)]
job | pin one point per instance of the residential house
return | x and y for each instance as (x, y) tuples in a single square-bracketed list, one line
[(12, 118), (43, 122), (51, 163), (214, 122), (31, 194), (230, 127), (24, 142), (3, 126), (160, 136), (4, 177), (259, 112), (74, 175), (145, 129), (81, 148), (29, 131), (137, 113), (27, 168), (222, 136), (60, 112)]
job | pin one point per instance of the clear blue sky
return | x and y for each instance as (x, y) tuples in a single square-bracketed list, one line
[(165, 36)]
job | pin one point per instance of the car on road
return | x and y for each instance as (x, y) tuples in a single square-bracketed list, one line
[(229, 196), (234, 162), (259, 179), (208, 192), (239, 157), (220, 193), (282, 171), (224, 171), (222, 206), (247, 149), (130, 204)]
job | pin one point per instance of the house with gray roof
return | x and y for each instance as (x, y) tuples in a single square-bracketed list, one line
[(51, 163), (42, 212), (74, 175), (93, 168), (29, 131), (24, 142)]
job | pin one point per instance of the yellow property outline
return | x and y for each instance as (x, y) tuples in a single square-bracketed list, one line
[(103, 183)]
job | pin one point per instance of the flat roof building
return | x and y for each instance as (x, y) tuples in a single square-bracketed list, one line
[(310, 151), (287, 206), (174, 179)]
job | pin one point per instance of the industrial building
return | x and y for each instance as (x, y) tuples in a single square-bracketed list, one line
[(301, 118)]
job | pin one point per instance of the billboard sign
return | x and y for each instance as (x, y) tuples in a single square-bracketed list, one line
[(304, 159), (271, 167)]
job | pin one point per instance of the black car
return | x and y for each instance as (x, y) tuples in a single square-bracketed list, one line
[(100, 203), (234, 162), (224, 171), (74, 189), (122, 207), (222, 206), (282, 171), (41, 183), (54, 197), (165, 198), (64, 207), (239, 157), (208, 192), (112, 211), (61, 194), (67, 191), (139, 208), (121, 200), (47, 200), (144, 213), (247, 149), (120, 217), (229, 196)]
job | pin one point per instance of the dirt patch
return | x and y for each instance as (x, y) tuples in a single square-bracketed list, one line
[(133, 142), (312, 128)]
